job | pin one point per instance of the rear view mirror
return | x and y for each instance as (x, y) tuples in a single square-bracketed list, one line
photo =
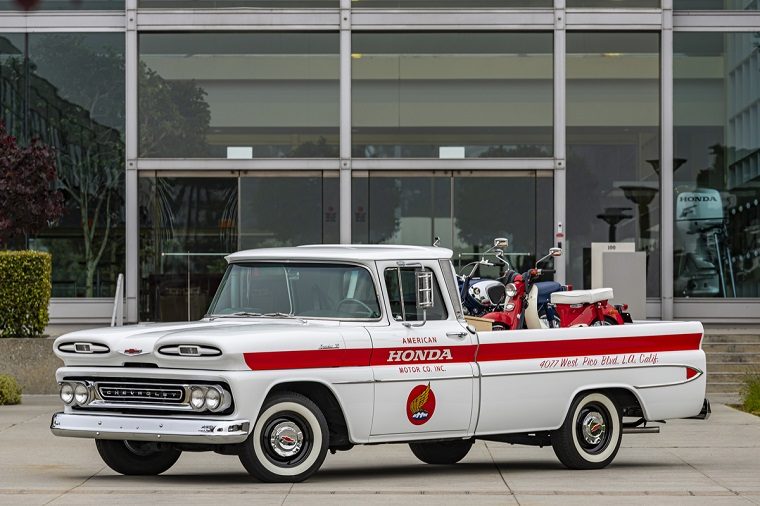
[(423, 281), (555, 252), (500, 243)]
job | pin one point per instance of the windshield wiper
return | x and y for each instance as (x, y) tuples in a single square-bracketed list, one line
[(234, 315)]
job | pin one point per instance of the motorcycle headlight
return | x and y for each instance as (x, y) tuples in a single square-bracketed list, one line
[(511, 289)]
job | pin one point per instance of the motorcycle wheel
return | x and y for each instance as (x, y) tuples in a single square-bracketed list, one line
[(608, 320)]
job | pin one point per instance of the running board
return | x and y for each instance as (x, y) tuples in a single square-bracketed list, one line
[(641, 430)]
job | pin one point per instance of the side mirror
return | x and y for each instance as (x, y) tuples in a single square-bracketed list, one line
[(423, 281), (500, 243), (555, 252)]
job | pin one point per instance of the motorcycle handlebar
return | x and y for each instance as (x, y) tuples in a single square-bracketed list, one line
[(547, 271)]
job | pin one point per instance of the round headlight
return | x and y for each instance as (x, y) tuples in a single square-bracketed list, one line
[(67, 393), (197, 398), (213, 399), (511, 289), (81, 394)]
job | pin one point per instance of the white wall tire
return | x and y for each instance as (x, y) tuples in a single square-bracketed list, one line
[(289, 441), (590, 436)]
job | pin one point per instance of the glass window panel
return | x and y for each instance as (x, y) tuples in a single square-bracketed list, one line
[(716, 5), (464, 209), (289, 210), (401, 286), (717, 167), (212, 4), (187, 225), (452, 95), (518, 205), (451, 4), (402, 208), (69, 93), (623, 4), (64, 5), (262, 94), (613, 118)]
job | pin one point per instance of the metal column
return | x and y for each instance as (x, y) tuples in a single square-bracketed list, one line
[(132, 225), (560, 139), (345, 122), (666, 161)]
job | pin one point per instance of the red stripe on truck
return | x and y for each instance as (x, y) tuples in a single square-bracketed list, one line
[(588, 347), (488, 352)]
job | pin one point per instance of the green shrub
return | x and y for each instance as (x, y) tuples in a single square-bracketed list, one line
[(751, 393), (24, 292), (10, 391)]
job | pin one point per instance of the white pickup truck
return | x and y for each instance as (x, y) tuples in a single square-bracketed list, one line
[(318, 348)]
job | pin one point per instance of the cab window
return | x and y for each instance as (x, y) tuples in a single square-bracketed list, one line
[(400, 283)]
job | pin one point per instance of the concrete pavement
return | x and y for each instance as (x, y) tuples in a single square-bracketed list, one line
[(691, 462)]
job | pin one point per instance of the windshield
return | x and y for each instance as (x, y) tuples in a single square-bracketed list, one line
[(303, 290)]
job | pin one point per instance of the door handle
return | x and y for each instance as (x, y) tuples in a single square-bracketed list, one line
[(460, 335)]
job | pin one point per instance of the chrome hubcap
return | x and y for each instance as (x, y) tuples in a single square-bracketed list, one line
[(286, 439), (593, 428)]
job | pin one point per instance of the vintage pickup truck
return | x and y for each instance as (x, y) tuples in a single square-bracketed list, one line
[(313, 349)]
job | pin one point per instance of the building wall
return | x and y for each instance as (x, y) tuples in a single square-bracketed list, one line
[(187, 130)]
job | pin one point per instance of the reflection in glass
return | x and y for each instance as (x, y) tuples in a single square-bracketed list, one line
[(201, 95), (464, 209), (716, 5), (717, 146), (452, 95), (187, 225), (613, 118), (289, 210), (518, 205), (65, 5), (68, 91)]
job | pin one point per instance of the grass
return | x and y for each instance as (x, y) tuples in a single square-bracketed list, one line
[(751, 393)]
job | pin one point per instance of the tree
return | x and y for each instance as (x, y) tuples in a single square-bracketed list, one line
[(28, 200)]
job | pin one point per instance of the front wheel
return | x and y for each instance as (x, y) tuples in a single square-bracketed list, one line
[(590, 436), (441, 452), (137, 458), (289, 441)]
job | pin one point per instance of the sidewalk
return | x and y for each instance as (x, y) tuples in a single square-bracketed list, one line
[(712, 462)]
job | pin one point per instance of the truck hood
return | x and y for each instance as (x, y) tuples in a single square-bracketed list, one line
[(226, 340)]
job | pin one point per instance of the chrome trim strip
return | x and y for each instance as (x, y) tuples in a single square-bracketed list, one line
[(150, 429), (675, 383)]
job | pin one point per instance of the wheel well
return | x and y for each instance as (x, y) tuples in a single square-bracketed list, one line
[(327, 402), (624, 399)]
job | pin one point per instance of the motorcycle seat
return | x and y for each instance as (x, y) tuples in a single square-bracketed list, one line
[(582, 296), (545, 289)]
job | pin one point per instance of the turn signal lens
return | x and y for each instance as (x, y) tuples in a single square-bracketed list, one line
[(197, 398), (81, 394), (511, 289), (67, 393), (213, 399)]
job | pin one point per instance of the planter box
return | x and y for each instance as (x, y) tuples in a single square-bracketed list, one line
[(32, 361)]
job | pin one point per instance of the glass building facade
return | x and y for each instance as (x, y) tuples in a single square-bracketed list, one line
[(186, 130)]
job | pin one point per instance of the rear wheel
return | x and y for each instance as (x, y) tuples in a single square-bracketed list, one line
[(590, 436), (441, 452), (137, 458), (289, 441), (608, 320)]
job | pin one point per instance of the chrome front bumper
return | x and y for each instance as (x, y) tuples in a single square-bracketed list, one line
[(169, 430)]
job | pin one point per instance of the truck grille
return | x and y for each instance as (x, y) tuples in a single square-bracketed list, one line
[(141, 393)]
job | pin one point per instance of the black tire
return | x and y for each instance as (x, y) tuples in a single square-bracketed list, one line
[(137, 458), (442, 452), (278, 460), (590, 436)]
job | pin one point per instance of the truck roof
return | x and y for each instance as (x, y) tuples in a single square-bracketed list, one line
[(360, 252)]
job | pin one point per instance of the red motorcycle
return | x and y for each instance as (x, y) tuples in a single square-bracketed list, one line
[(547, 304)]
